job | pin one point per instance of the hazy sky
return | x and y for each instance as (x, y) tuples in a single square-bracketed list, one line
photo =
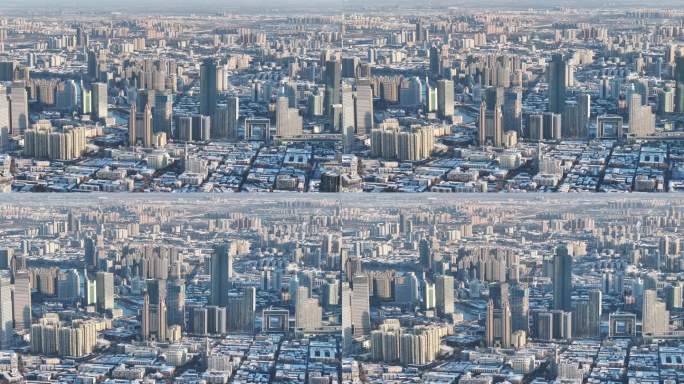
[(327, 6)]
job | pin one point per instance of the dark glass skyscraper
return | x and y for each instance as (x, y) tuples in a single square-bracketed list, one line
[(221, 271), (333, 76), (562, 279), (558, 82), (208, 87)]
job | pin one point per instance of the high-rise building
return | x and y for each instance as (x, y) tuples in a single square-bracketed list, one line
[(221, 274), (93, 65), (445, 294), (199, 320), (641, 117), (6, 310), (584, 115), (558, 83), (673, 296), (19, 115), (491, 123), (445, 98), (145, 317), (360, 305), (7, 70), (163, 112), (519, 299), (5, 116), (308, 310), (208, 87), (535, 127), (68, 285), (553, 124), (99, 108), (363, 107), (586, 315), (562, 324), (596, 311), (156, 290), (92, 245), (22, 300), (679, 87), (105, 291), (429, 299), (562, 279), (654, 314), (241, 311), (216, 320), (348, 118), (333, 77), (227, 119), (347, 326), (86, 101), (498, 325), (425, 254), (140, 128), (176, 303), (90, 292), (288, 121), (435, 61), (512, 111)]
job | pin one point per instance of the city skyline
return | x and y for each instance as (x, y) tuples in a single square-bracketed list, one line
[(541, 99), (358, 286), (341, 192)]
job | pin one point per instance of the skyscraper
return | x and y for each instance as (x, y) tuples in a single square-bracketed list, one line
[(232, 117), (333, 76), (360, 305), (558, 83), (519, 300), (435, 61), (6, 315), (347, 327), (176, 303), (145, 317), (348, 110), (498, 325), (19, 115), (562, 279), (221, 274), (491, 129), (132, 125), (445, 294), (93, 65), (146, 127), (307, 310), (140, 126), (99, 109), (5, 118), (641, 117), (156, 289), (208, 87), (363, 104), (654, 314), (596, 311), (679, 87), (445, 98), (163, 112), (241, 311), (105, 291), (288, 121), (91, 247), (22, 300)]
